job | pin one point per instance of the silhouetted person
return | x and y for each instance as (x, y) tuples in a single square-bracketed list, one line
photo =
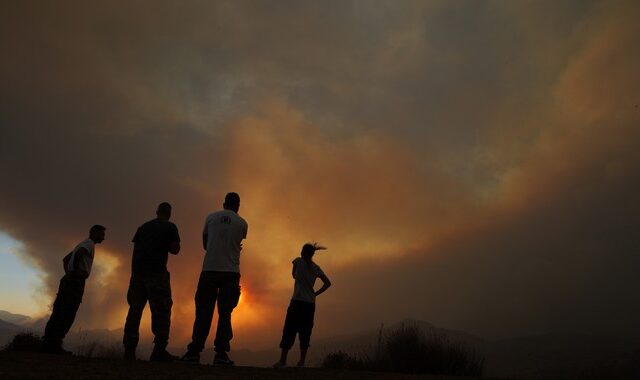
[(77, 268), (219, 280), (150, 282), (302, 308)]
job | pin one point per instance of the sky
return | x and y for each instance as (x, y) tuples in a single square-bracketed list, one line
[(19, 281), (471, 164)]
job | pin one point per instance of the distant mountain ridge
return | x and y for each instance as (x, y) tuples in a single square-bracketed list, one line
[(16, 319), (8, 325), (7, 331)]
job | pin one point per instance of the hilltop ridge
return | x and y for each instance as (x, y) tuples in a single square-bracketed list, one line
[(21, 365)]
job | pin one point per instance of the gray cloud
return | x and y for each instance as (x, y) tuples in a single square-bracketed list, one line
[(478, 156)]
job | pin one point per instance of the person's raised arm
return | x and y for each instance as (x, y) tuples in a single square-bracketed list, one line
[(325, 284)]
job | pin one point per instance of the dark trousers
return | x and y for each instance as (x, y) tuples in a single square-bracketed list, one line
[(155, 288), (64, 310), (299, 321), (223, 287)]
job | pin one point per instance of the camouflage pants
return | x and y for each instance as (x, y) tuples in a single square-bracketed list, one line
[(223, 288), (155, 288), (64, 310)]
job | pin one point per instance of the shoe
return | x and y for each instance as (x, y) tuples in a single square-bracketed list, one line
[(191, 357), (222, 359), (279, 364), (162, 356), (300, 365), (129, 355)]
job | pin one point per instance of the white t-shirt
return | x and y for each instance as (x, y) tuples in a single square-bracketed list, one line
[(85, 262), (225, 230), (305, 275)]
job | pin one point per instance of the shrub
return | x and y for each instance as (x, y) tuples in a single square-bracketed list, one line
[(24, 342), (409, 350)]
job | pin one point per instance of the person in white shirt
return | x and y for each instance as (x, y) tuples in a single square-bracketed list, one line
[(299, 319), (219, 281), (77, 266)]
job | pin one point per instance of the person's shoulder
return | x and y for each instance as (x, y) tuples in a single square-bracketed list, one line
[(168, 224), (158, 224), (241, 219), (86, 244), (148, 224), (213, 214), (296, 260), (317, 268)]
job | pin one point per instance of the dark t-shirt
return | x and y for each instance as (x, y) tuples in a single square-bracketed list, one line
[(151, 246)]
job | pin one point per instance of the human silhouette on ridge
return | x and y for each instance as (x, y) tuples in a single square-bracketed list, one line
[(219, 280), (300, 314), (150, 281), (77, 267)]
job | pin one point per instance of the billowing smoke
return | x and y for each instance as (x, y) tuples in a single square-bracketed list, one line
[(471, 164)]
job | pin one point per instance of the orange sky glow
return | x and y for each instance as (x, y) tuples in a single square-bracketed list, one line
[(471, 164)]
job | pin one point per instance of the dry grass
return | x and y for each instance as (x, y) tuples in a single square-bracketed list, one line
[(101, 350), (410, 350)]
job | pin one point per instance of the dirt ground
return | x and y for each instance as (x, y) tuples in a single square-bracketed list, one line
[(17, 365)]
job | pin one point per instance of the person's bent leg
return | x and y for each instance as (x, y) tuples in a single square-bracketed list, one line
[(288, 335), (64, 311), (228, 298), (52, 338), (307, 311), (160, 303), (303, 357), (137, 299), (224, 331), (205, 301), (283, 359)]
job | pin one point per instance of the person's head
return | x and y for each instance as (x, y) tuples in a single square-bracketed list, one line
[(232, 202), (309, 249), (96, 233), (164, 211)]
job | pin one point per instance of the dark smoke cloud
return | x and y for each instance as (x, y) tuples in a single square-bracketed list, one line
[(472, 164)]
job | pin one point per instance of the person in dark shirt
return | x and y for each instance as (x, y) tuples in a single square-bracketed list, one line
[(150, 281)]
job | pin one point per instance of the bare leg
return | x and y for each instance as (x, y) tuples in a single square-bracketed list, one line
[(303, 357), (283, 357)]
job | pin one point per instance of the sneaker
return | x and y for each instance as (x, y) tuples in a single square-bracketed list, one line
[(130, 355), (222, 359), (279, 364), (191, 357), (162, 356)]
